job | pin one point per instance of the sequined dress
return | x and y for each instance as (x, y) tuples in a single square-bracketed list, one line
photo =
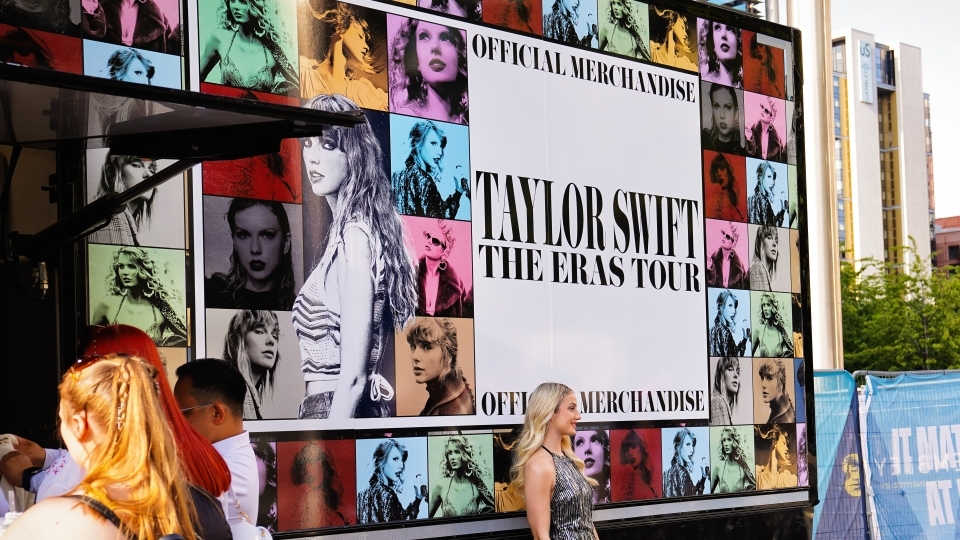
[(571, 504)]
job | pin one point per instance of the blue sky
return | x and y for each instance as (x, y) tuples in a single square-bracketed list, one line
[(932, 26)]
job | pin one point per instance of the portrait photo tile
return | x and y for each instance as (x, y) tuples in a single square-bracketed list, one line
[(624, 28), (316, 484), (423, 154), (61, 17), (172, 358), (732, 403), (457, 461), (258, 243), (592, 445), (667, 23), (763, 71), (155, 219), (797, 325), (733, 467), (39, 49), (520, 15), (122, 63), (767, 199), (774, 391), (776, 447), (328, 30), (445, 245), (803, 464), (264, 63), (157, 25), (772, 318), (770, 261), (721, 117), (636, 468), (249, 340), (724, 186), (795, 260), (729, 322), (505, 497), (794, 198), (686, 461), (413, 399), (728, 254), (571, 23), (370, 476), (464, 9), (446, 72), (792, 121), (265, 450), (157, 276), (721, 53), (765, 121)]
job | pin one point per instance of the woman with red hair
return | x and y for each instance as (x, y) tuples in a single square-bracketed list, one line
[(202, 464)]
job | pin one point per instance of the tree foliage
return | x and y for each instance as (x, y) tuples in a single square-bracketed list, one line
[(900, 317)]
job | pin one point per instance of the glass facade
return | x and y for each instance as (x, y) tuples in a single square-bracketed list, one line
[(839, 56), (884, 64)]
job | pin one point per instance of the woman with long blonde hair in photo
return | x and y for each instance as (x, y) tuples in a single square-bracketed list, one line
[(559, 497), (112, 423)]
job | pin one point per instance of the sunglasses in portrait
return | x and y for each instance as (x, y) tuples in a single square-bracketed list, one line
[(728, 237), (434, 240)]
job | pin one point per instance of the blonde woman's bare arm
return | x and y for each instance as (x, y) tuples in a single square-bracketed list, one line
[(539, 478)]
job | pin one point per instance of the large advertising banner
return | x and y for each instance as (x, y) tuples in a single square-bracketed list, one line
[(912, 436)]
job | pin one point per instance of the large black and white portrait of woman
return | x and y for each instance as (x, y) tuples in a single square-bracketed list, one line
[(343, 50), (686, 461), (770, 258), (155, 218), (767, 188), (772, 325), (363, 288), (248, 44), (391, 479), (722, 117), (432, 180), (733, 459), (144, 24), (460, 476), (428, 70), (252, 253), (139, 287), (730, 322)]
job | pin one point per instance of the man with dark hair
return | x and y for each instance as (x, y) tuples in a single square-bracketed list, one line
[(210, 393)]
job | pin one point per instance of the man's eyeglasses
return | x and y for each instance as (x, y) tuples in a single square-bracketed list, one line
[(184, 411), (434, 240)]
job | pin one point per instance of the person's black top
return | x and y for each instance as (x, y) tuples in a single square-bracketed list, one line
[(709, 142), (219, 296), (213, 525)]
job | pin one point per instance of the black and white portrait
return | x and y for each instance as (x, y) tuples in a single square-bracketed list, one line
[(262, 345), (774, 391), (730, 379), (776, 456), (265, 451), (391, 479), (361, 289), (721, 114), (769, 258), (772, 325), (730, 322), (253, 253), (461, 476), (154, 219), (733, 459)]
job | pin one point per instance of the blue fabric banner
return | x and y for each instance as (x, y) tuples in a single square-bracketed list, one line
[(913, 432), (840, 514)]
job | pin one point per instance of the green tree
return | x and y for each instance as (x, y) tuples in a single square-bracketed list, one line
[(900, 317)]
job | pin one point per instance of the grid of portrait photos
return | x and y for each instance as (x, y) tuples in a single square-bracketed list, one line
[(287, 235)]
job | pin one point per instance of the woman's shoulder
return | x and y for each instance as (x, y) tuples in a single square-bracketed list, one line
[(219, 36), (60, 517)]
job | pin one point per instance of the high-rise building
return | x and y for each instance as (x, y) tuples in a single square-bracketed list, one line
[(882, 148)]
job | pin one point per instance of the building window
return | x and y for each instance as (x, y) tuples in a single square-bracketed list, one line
[(839, 56), (953, 253)]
